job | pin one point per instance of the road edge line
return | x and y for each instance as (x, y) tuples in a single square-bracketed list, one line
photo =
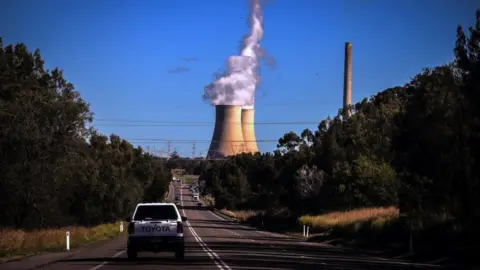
[(215, 258), (106, 262)]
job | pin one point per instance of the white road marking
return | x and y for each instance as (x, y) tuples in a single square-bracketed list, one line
[(215, 258), (205, 249), (245, 227), (105, 262), (232, 232), (217, 216)]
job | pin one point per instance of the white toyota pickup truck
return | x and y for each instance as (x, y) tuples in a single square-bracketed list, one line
[(155, 227)]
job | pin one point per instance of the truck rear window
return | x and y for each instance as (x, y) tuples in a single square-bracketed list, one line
[(155, 212)]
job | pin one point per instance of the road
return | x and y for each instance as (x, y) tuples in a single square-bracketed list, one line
[(215, 243)]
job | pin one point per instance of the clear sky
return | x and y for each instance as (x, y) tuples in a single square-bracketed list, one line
[(122, 56)]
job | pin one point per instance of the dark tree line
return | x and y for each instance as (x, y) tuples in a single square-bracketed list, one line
[(54, 171), (416, 146)]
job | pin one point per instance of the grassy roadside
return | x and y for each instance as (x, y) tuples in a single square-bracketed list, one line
[(241, 216), (376, 217), (380, 230), (16, 244), (337, 228), (351, 221)]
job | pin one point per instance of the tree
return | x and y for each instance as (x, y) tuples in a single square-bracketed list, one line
[(54, 171)]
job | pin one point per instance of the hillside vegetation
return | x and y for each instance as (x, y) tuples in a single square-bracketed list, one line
[(412, 149)]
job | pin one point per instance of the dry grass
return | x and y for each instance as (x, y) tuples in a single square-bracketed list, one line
[(18, 243), (241, 215), (377, 216), (208, 200)]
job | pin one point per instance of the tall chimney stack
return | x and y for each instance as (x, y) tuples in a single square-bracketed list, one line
[(248, 129), (347, 79), (227, 139)]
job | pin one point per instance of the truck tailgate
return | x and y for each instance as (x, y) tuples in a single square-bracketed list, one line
[(156, 228)]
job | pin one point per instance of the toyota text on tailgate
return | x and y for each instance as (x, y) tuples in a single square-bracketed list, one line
[(156, 227)]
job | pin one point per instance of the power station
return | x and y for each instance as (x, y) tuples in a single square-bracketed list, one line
[(248, 129), (227, 136), (234, 131)]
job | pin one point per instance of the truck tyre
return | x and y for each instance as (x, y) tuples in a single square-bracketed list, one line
[(131, 253), (180, 253)]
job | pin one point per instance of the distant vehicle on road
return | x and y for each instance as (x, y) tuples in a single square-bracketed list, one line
[(199, 204), (177, 198), (196, 197), (155, 227)]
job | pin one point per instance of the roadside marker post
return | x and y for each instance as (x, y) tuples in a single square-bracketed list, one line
[(303, 230), (121, 226), (308, 229), (68, 240)]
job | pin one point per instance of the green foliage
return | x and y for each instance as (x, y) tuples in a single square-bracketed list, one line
[(415, 146), (53, 170)]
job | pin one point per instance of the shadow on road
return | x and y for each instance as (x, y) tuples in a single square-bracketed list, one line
[(261, 256), (147, 260), (214, 221), (254, 238), (203, 208)]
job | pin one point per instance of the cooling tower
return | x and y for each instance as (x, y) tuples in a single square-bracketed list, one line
[(248, 130), (347, 79), (227, 136)]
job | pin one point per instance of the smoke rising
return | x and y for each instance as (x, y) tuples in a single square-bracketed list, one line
[(236, 86)]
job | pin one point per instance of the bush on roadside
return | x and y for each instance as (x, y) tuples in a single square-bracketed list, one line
[(209, 200)]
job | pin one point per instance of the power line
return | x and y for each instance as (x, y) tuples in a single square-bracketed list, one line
[(259, 103), (169, 141), (197, 124), (190, 123)]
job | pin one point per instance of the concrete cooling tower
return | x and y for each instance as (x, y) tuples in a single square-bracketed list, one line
[(248, 130), (227, 136)]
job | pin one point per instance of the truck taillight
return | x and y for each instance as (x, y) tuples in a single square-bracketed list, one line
[(179, 227), (131, 228)]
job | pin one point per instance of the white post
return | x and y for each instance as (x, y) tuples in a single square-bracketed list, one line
[(308, 229), (303, 230), (121, 226), (68, 240)]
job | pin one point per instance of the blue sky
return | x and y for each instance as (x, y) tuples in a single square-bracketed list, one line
[(118, 55)]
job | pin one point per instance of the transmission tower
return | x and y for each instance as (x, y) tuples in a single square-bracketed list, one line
[(193, 150)]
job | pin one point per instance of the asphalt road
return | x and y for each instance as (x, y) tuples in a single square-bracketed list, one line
[(215, 243)]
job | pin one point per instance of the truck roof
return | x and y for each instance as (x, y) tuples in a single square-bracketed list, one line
[(157, 203)]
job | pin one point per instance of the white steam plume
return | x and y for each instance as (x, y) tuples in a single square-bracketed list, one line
[(237, 85)]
